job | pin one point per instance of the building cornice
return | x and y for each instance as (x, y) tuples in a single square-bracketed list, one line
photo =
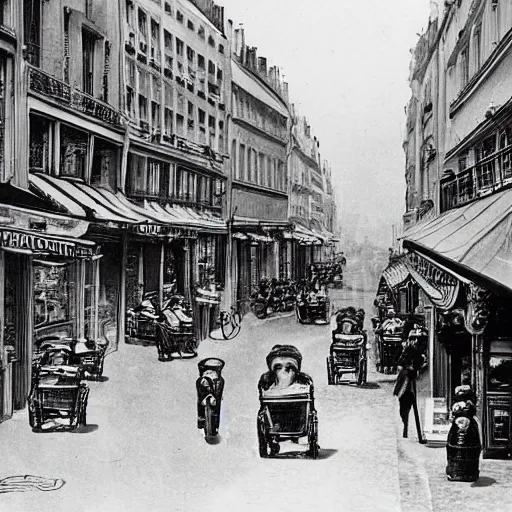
[(260, 189), (258, 131), (150, 149)]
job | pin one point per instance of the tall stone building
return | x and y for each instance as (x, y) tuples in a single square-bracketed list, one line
[(456, 269)]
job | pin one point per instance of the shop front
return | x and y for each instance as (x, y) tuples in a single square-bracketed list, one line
[(472, 245), (44, 292)]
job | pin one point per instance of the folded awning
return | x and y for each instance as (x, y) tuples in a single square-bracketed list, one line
[(102, 205), (437, 282), (474, 240), (260, 238), (81, 200), (396, 273)]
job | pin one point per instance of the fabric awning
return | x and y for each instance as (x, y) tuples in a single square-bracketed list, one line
[(260, 238), (81, 200), (475, 239), (396, 273)]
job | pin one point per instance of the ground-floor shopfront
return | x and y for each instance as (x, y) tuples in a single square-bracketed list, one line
[(460, 263), (47, 276)]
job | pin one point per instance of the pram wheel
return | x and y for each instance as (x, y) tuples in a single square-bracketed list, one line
[(262, 440), (210, 428), (313, 438), (330, 371), (274, 448), (34, 418)]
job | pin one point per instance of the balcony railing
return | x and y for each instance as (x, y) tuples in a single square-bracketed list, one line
[(62, 93), (182, 200), (487, 176)]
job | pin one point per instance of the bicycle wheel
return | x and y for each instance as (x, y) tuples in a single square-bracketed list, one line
[(231, 328)]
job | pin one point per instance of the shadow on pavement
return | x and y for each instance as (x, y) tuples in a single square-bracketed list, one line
[(84, 429), (484, 481), (322, 454), (370, 385)]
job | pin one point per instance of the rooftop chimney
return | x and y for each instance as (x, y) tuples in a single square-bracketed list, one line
[(262, 66)]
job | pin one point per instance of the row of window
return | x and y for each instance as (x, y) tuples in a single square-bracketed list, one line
[(487, 29), (149, 33), (159, 107), (50, 139), (164, 180), (258, 113), (180, 18), (258, 168)]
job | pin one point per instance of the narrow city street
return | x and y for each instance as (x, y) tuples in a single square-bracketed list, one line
[(142, 450)]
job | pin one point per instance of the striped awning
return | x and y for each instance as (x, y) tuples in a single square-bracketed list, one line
[(396, 273), (474, 240), (84, 201)]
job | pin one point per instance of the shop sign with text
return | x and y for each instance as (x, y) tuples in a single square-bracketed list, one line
[(39, 244)]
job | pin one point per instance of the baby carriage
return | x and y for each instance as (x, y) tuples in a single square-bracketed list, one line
[(210, 386), (348, 352), (57, 394), (287, 410), (313, 307), (140, 320)]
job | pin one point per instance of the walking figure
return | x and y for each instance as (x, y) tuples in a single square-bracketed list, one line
[(409, 364)]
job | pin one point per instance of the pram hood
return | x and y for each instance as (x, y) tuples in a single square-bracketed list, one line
[(284, 351)]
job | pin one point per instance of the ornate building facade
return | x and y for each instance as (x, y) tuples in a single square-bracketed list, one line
[(456, 268)]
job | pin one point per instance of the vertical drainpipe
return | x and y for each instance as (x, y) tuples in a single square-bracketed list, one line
[(229, 292), (441, 119)]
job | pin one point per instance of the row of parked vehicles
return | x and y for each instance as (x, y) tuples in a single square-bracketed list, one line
[(309, 300)]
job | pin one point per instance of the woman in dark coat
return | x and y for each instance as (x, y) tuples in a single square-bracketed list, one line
[(409, 364)]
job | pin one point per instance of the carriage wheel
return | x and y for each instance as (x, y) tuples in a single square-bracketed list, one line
[(34, 415), (330, 371), (99, 369), (360, 373), (262, 439), (313, 438), (297, 314), (274, 448), (210, 427)]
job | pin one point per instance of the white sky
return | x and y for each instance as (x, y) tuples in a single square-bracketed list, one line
[(347, 63)]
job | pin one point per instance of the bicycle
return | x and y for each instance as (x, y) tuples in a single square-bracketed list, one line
[(230, 322)]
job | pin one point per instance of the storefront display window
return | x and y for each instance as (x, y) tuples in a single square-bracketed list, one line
[(500, 374), (206, 261), (90, 301), (54, 289)]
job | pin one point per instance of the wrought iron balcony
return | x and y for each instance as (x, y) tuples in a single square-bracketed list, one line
[(62, 93)]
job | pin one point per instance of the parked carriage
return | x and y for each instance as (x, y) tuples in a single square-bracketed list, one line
[(313, 307), (58, 393)]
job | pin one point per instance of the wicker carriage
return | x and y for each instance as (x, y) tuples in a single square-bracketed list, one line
[(347, 361), (287, 416), (58, 393)]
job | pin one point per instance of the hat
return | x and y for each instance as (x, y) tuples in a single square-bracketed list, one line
[(284, 351)]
